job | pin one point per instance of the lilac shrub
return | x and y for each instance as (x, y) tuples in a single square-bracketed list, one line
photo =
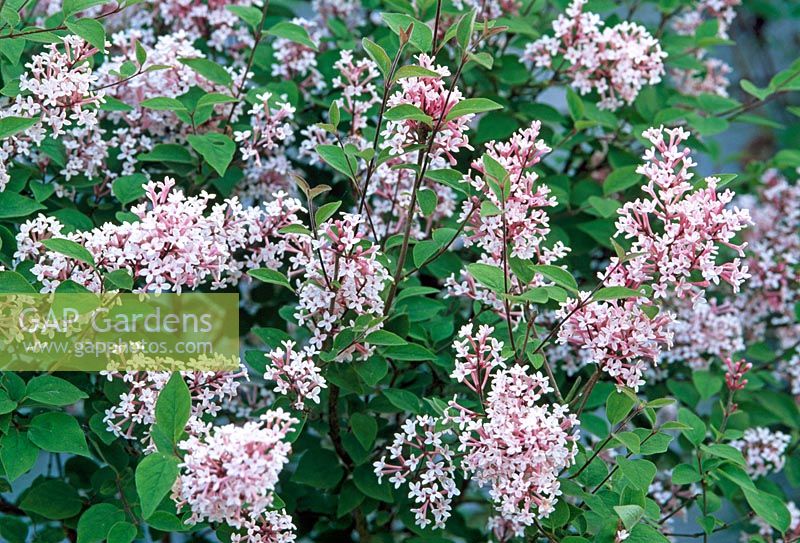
[(495, 280)]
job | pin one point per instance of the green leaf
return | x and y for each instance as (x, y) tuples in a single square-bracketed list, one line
[(410, 352), (17, 454), (423, 251), (750, 88), (119, 279), (643, 533), (769, 507), (559, 276), (404, 112), (604, 207), (698, 428), (349, 498), (618, 405), (631, 441), (50, 390), (720, 450), (464, 29), (365, 428), (248, 14), (13, 530), (378, 55), (13, 282), (163, 103), (421, 35), (639, 473), (270, 276), (129, 188), (292, 32), (621, 179), (52, 499), (427, 201), (214, 98), (615, 293), (216, 149), (685, 474), (70, 7), (335, 157), (404, 400), (706, 383), (141, 53), (319, 468), (122, 532), (384, 337), (155, 476), (471, 106), (575, 105), (629, 514), (13, 205), (489, 276), (168, 152), (58, 432), (96, 522), (208, 69), (90, 30), (14, 125), (69, 248), (415, 71), (173, 407), (367, 482), (7, 405), (326, 212)]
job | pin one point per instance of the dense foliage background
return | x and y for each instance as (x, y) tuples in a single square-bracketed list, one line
[(487, 294)]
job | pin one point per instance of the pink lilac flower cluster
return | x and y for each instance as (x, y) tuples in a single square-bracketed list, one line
[(210, 19), (135, 411), (516, 445), (676, 233), (734, 373), (435, 98), (173, 246), (687, 23), (297, 61), (703, 330), (295, 374), (491, 9), (350, 12), (521, 221), (789, 371), (618, 336), (678, 230), (228, 474), (763, 450), (388, 194), (519, 446), (767, 305), (477, 354), (339, 278), (421, 458), (713, 77), (171, 80), (356, 80), (270, 127), (615, 61), (62, 95), (267, 168), (356, 83)]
